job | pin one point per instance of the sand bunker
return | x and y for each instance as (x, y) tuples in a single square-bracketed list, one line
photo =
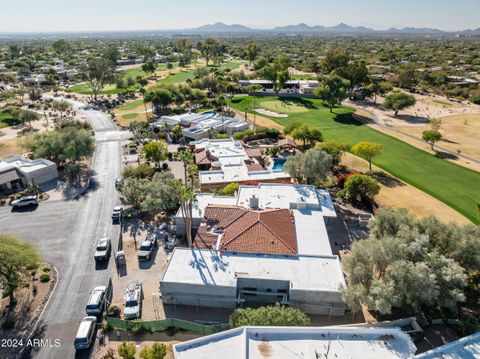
[(270, 113)]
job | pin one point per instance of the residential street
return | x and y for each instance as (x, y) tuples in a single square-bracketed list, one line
[(66, 232)]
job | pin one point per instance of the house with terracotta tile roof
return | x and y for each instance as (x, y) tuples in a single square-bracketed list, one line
[(267, 244)]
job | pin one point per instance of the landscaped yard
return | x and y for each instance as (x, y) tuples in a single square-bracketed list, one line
[(454, 185), (6, 119)]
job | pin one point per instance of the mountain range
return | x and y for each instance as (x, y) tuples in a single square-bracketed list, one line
[(339, 29)]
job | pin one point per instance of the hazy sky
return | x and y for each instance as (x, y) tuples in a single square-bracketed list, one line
[(93, 15)]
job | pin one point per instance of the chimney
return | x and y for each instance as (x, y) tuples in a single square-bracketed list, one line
[(253, 202)]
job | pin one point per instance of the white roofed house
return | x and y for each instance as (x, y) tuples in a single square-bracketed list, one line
[(300, 342), (232, 164), (267, 244), (22, 171)]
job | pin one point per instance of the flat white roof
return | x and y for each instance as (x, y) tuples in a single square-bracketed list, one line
[(231, 156), (464, 348), (311, 233), (210, 268), (26, 165), (299, 342)]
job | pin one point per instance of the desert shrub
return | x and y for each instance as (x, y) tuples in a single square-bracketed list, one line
[(45, 278)]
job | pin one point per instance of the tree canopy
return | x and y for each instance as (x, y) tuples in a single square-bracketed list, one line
[(412, 264), (309, 167), (398, 101), (431, 137), (155, 151), (359, 187), (367, 150), (333, 90)]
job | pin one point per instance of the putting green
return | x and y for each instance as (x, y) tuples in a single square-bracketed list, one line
[(283, 106)]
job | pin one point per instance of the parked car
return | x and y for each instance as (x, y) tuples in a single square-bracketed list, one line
[(120, 258), (133, 300), (85, 332), (117, 214), (103, 249), (25, 201), (146, 248), (96, 301), (119, 182)]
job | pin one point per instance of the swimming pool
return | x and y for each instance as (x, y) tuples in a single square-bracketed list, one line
[(278, 164)]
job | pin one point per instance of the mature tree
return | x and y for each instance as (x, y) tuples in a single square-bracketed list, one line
[(335, 60), (357, 75), (409, 264), (187, 157), (336, 149), (310, 167), (149, 67), (143, 170), (111, 55), (17, 258), (185, 47), (161, 98), (127, 350), (274, 316), (406, 78), (431, 137), (333, 90), (359, 187), (210, 49), (398, 101), (252, 51), (61, 145), (134, 192), (307, 133), (99, 72), (155, 151), (163, 193), (156, 351), (367, 150), (378, 88)]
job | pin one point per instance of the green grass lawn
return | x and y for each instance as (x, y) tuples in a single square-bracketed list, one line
[(130, 116), (457, 186), (179, 77), (132, 105), (83, 89), (6, 119)]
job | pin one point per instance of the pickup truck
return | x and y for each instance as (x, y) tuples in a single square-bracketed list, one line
[(102, 249), (147, 247), (133, 300), (117, 214)]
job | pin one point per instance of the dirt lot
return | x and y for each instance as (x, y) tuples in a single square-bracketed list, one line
[(148, 272)]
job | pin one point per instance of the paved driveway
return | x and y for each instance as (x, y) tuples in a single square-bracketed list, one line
[(66, 231)]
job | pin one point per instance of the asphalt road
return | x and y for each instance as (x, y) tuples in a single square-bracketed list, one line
[(65, 233)]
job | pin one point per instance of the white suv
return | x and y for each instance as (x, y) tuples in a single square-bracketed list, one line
[(25, 201), (133, 300), (96, 301), (85, 333)]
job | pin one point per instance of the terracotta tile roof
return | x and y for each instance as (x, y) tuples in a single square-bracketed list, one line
[(202, 158), (270, 231)]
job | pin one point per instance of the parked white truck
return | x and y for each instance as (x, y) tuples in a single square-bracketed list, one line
[(133, 300)]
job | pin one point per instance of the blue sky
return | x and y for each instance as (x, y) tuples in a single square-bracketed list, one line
[(94, 15)]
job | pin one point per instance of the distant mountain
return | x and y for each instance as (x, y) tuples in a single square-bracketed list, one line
[(221, 27), (339, 29)]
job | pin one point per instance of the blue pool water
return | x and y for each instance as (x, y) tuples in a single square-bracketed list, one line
[(278, 163)]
